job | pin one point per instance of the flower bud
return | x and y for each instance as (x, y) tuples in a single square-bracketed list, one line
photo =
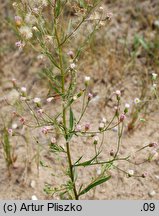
[(40, 111), (122, 117), (130, 173), (144, 175), (22, 120), (71, 54), (101, 126), (78, 128), (118, 94), (90, 96), (53, 140), (18, 20), (87, 80), (154, 76), (87, 126), (37, 101), (137, 101), (127, 106), (49, 99), (153, 144), (112, 152), (72, 66), (10, 131), (96, 140)]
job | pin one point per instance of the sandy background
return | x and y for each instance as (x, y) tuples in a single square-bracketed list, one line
[(110, 63)]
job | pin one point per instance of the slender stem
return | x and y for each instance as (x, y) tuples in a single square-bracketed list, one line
[(64, 114), (119, 139), (71, 170)]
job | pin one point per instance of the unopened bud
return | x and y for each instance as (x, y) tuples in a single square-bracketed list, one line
[(90, 96), (122, 117), (101, 126), (144, 175), (87, 127), (154, 144), (96, 140)]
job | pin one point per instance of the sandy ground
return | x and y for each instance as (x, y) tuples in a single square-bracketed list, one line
[(111, 68)]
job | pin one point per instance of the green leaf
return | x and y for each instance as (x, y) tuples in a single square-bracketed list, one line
[(87, 163), (42, 163), (78, 160), (71, 119), (94, 184), (7, 147), (56, 148), (57, 8), (143, 43)]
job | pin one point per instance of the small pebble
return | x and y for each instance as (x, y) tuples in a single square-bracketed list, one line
[(152, 193), (33, 184), (34, 197)]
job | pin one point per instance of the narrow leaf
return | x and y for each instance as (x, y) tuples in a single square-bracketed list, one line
[(94, 184), (71, 119), (87, 163)]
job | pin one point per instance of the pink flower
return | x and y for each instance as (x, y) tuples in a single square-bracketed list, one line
[(87, 126), (45, 130), (78, 128), (53, 140), (109, 15), (20, 44), (118, 92), (122, 117), (10, 131), (14, 81), (40, 111), (18, 20), (154, 144), (144, 175), (70, 53), (101, 126), (22, 120), (90, 96)]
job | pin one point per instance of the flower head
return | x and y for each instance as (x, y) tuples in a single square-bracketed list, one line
[(20, 44), (130, 172), (96, 140), (72, 65), (122, 117), (78, 128), (10, 131), (154, 76), (37, 100), (53, 140), (87, 126), (49, 99), (40, 111), (70, 53), (18, 20), (87, 80), (22, 120), (137, 101), (90, 96), (26, 32), (101, 126), (23, 89)]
